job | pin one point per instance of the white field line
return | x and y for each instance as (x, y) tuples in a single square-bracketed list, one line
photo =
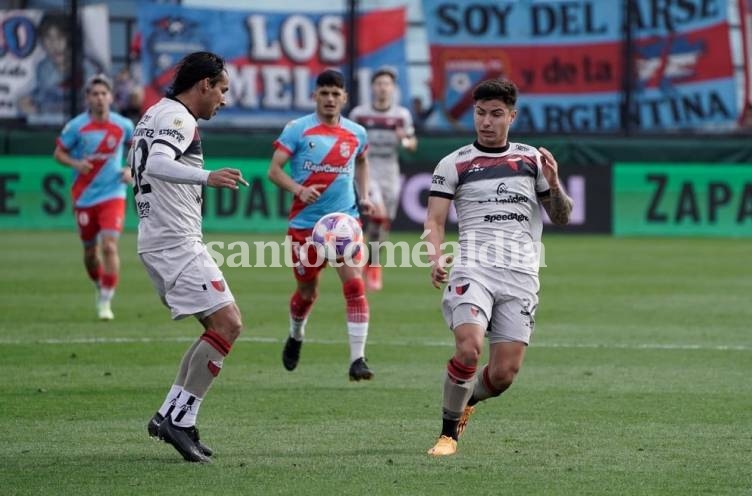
[(427, 343)]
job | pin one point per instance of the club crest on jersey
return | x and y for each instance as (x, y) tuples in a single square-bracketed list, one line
[(219, 285), (344, 149), (111, 142)]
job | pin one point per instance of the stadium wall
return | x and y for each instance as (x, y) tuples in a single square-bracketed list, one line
[(677, 186)]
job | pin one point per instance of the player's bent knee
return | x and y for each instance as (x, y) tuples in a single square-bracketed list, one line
[(226, 322), (469, 355), (503, 377)]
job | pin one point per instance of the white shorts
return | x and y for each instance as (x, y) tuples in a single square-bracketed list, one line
[(501, 301), (188, 280), (385, 190)]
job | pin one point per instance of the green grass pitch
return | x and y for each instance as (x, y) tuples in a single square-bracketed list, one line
[(638, 381)]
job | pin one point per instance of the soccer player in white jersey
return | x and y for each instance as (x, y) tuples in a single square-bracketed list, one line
[(498, 189), (389, 126), (167, 166)]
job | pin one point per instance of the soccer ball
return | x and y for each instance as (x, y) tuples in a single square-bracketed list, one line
[(338, 236)]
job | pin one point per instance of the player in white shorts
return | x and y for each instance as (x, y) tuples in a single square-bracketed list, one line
[(389, 126), (498, 189), (167, 166)]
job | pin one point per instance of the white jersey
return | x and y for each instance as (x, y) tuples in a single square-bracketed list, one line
[(495, 193), (169, 214), (383, 139)]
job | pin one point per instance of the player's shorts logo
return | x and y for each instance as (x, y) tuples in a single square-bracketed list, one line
[(219, 285), (460, 290), (83, 219)]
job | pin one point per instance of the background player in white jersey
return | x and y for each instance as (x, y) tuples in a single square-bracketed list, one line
[(167, 165), (389, 126), (497, 188)]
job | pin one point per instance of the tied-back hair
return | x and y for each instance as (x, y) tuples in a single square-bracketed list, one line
[(496, 89), (330, 77), (193, 68)]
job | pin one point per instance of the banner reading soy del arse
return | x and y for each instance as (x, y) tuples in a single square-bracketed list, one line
[(273, 58), (567, 57)]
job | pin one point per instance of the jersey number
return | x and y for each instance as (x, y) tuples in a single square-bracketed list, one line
[(140, 153)]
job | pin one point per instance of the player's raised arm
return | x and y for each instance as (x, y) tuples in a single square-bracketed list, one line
[(162, 165), (558, 204)]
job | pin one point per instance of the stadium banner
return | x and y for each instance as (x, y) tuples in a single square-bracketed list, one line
[(273, 58), (567, 58), (35, 61), (589, 187), (670, 199), (35, 194)]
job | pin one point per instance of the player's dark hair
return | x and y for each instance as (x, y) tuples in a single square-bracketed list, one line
[(496, 89), (193, 68), (59, 21), (330, 77), (384, 71)]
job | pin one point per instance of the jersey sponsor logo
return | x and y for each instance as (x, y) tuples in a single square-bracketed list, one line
[(507, 199), (143, 208), (104, 157), (437, 179), (172, 133), (332, 169), (219, 285), (503, 217)]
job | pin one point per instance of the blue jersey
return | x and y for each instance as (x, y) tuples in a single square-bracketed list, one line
[(323, 154), (102, 144)]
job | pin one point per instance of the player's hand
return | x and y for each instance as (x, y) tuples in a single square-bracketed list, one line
[(83, 166), (439, 273), (366, 207), (309, 194), (226, 178), (550, 167), (125, 175)]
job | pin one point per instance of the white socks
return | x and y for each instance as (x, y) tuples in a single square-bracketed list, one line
[(357, 332)]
